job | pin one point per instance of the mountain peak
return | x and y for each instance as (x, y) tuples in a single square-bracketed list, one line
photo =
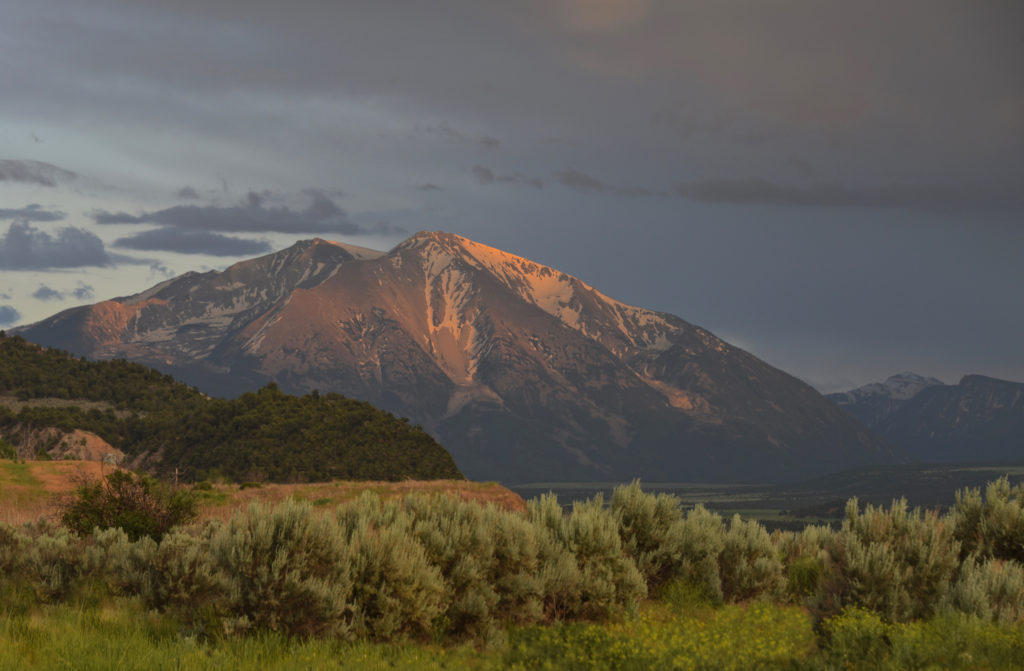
[(873, 403), (525, 372)]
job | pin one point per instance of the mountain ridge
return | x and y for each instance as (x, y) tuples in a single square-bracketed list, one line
[(979, 418), (524, 372)]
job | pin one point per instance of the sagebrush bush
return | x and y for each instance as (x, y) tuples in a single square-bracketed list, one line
[(488, 559), (749, 563), (48, 563), (896, 562), (606, 579), (560, 576), (694, 545), (395, 589), (804, 557), (283, 569), (992, 589), (644, 522), (992, 526)]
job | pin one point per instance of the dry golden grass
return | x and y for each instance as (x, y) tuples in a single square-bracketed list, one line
[(31, 489), (223, 500)]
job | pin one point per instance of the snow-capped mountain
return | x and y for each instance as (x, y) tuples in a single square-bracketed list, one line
[(873, 402), (978, 419), (523, 372)]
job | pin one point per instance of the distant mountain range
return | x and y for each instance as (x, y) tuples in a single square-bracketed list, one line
[(978, 419), (872, 403), (524, 373)]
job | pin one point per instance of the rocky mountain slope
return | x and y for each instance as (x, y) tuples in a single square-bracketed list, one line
[(523, 372), (872, 403)]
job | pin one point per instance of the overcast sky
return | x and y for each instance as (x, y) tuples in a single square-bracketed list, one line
[(837, 187)]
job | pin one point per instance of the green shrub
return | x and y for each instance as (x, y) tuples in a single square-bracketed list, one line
[(283, 569), (861, 640), (608, 580), (749, 564), (559, 572), (395, 589), (992, 526), (895, 562), (644, 522), (48, 563), (694, 546), (140, 505), (857, 639), (488, 559), (991, 589), (803, 576)]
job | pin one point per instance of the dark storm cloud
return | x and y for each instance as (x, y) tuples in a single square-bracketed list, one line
[(33, 212), (27, 248), (45, 293), (485, 175), (428, 187), (928, 93), (8, 315), (170, 239), (34, 172), (916, 197), (187, 193), (321, 215)]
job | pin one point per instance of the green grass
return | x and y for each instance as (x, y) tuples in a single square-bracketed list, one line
[(19, 473), (680, 633), (127, 638)]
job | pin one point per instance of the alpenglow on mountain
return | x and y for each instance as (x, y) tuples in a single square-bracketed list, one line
[(523, 373)]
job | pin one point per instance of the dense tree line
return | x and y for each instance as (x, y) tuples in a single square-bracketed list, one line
[(265, 435)]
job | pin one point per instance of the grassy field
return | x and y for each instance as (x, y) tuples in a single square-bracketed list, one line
[(30, 489), (661, 635), (438, 585)]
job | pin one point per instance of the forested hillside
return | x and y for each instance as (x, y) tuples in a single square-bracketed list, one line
[(161, 424)]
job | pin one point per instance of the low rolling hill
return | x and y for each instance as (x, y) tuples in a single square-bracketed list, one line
[(57, 403)]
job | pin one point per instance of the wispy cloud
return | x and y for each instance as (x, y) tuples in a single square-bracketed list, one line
[(581, 181), (33, 212), (574, 179), (485, 175), (757, 191), (446, 132), (34, 172), (252, 215)]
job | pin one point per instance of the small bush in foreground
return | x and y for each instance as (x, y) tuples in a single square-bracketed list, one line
[(140, 505)]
